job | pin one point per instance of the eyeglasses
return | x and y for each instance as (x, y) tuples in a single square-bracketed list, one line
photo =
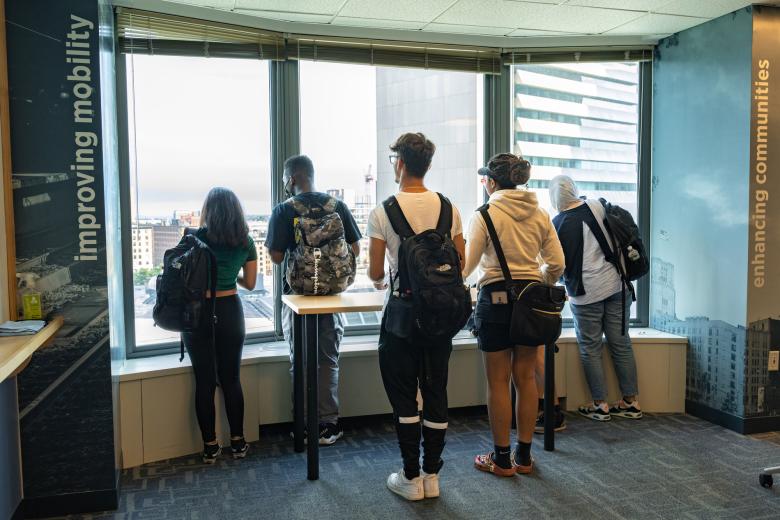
[(393, 158)]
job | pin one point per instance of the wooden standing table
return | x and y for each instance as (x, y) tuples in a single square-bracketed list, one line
[(16, 351), (305, 334)]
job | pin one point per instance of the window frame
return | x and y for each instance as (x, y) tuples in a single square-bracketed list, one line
[(284, 94)]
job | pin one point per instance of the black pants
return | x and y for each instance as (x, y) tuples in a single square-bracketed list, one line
[(406, 365), (218, 363)]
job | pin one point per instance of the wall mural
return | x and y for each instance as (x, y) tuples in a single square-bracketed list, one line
[(699, 203), (65, 395)]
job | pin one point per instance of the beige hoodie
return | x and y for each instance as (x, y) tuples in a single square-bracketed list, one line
[(527, 236)]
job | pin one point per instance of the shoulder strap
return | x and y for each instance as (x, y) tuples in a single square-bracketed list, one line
[(300, 208), (444, 225), (397, 219), (600, 215), (614, 257), (496, 244)]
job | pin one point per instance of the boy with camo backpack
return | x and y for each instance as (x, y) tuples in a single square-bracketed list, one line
[(318, 238)]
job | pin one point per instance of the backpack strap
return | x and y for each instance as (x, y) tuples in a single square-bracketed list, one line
[(444, 226), (496, 244), (597, 208), (397, 219)]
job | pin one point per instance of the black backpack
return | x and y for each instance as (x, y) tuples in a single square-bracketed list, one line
[(619, 226), (429, 297), (189, 270)]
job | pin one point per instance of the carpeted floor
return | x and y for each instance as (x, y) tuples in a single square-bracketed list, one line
[(668, 467)]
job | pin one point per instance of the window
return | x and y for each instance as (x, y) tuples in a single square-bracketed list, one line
[(580, 120), (350, 114), (195, 123)]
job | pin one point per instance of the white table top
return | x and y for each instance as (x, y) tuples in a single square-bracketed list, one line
[(344, 302)]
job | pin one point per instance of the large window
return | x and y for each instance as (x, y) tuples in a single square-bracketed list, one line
[(192, 124), (350, 114), (580, 120)]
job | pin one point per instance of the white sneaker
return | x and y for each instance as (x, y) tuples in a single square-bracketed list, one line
[(430, 484), (409, 489)]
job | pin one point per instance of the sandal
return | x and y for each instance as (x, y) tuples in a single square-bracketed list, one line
[(487, 464), (520, 469)]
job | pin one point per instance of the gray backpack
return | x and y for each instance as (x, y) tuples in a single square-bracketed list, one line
[(322, 261)]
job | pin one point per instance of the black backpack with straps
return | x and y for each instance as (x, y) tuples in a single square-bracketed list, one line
[(189, 271), (428, 297)]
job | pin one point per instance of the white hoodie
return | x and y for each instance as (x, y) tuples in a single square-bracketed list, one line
[(527, 237)]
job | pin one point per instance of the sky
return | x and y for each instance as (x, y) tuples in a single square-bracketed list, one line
[(204, 122)]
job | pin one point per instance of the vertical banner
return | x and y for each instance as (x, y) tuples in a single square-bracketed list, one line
[(762, 392), (65, 395)]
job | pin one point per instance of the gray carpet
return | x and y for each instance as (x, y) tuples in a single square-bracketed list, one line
[(668, 467)]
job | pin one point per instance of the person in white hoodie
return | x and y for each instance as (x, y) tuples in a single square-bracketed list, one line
[(527, 236)]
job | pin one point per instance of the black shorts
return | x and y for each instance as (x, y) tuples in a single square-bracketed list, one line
[(491, 320)]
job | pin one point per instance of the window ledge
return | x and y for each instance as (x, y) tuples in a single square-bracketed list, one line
[(351, 346)]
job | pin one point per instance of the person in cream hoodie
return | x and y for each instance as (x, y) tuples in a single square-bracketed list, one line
[(533, 253)]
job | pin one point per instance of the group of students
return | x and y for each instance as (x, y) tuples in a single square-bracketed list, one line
[(569, 247)]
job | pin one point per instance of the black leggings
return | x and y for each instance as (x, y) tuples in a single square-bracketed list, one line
[(218, 363)]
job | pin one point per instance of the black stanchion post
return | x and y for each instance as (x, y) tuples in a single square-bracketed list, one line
[(311, 338), (298, 382), (549, 397)]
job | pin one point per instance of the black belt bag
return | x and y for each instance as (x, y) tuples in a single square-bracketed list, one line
[(536, 306)]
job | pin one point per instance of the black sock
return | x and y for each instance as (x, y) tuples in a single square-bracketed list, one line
[(523, 453), (501, 456), (557, 408), (541, 404)]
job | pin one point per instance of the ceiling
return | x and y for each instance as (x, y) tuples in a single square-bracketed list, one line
[(511, 20)]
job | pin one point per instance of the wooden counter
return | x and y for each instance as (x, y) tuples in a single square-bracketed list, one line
[(15, 351)]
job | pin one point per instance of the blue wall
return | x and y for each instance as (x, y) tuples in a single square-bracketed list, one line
[(699, 241)]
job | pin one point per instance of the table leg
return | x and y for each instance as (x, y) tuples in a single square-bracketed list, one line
[(311, 338), (298, 382), (549, 397)]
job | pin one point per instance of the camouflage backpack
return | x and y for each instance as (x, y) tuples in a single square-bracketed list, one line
[(322, 261)]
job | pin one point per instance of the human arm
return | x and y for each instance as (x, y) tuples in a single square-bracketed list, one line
[(277, 257), (551, 254), (248, 277), (476, 245), (281, 235), (376, 262), (355, 248)]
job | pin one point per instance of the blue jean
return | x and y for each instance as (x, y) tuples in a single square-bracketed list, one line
[(591, 322)]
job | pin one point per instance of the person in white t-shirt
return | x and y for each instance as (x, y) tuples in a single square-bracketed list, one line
[(400, 359)]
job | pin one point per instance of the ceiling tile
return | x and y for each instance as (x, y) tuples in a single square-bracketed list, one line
[(410, 10), (657, 24), (293, 6), (289, 17), (468, 29), (703, 8), (379, 23), (526, 15), (631, 5), (531, 32)]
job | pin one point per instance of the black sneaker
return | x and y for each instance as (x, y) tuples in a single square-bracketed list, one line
[(626, 410), (330, 433), (560, 422), (239, 447), (211, 452), (597, 412)]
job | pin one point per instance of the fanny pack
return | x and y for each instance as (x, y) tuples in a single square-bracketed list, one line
[(536, 306)]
